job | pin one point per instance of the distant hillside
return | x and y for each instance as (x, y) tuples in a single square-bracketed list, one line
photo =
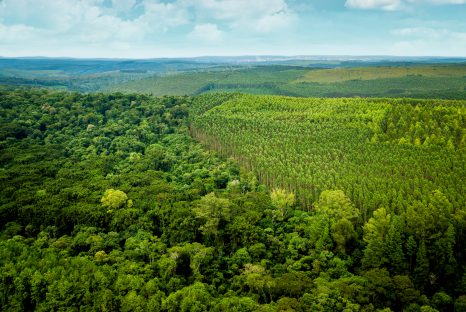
[(421, 81), (302, 76)]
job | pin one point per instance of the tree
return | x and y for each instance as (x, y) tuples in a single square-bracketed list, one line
[(337, 206), (114, 199), (282, 201), (394, 245), (406, 292), (191, 298), (411, 249), (342, 233), (259, 280), (342, 216), (421, 271), (235, 304), (132, 302), (442, 301), (375, 232), (212, 210)]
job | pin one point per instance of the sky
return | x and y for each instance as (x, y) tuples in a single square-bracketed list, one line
[(187, 28)]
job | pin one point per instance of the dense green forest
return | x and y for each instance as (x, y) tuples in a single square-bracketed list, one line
[(400, 163), (59, 81), (381, 152), (108, 204), (417, 81)]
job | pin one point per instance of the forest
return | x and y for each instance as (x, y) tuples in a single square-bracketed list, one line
[(444, 81), (441, 78), (230, 202)]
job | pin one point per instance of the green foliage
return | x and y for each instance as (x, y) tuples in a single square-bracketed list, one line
[(427, 81), (372, 150), (236, 304), (375, 235), (282, 200), (107, 204), (194, 298), (212, 211), (423, 125), (337, 206), (114, 199)]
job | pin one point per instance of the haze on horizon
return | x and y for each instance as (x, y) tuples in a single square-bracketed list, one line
[(188, 28)]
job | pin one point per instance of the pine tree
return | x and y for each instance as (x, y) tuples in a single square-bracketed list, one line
[(422, 269), (375, 232), (411, 248), (394, 245)]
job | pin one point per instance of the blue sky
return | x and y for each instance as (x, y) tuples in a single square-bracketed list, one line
[(184, 28)]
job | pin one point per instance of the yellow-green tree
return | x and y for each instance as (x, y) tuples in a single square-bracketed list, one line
[(114, 199), (282, 201), (212, 210)]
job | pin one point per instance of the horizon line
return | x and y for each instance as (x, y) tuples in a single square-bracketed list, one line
[(290, 57)]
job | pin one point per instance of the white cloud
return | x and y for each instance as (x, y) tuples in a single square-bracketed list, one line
[(428, 33), (90, 20), (388, 5), (447, 47), (419, 32), (40, 14), (161, 16), (257, 15), (439, 2), (85, 20), (46, 27), (206, 32), (426, 40), (393, 5), (18, 33)]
